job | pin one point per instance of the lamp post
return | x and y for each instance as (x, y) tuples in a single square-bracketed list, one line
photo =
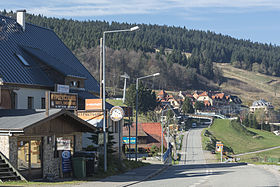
[(136, 132), (162, 129), (103, 89)]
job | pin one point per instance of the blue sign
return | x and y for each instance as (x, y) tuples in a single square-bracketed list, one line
[(126, 140), (66, 161)]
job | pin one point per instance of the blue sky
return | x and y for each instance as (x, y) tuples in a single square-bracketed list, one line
[(256, 20)]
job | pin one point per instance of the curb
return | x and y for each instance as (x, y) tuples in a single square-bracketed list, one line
[(149, 176)]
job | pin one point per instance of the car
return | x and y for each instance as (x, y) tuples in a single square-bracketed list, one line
[(193, 125)]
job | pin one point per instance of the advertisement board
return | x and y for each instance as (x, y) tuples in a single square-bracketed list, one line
[(126, 140), (93, 104), (63, 100), (90, 116), (63, 144)]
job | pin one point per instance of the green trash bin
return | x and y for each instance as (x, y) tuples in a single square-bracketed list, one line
[(79, 167)]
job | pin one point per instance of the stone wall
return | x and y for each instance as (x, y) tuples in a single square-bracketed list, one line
[(13, 154), (51, 165), (79, 143)]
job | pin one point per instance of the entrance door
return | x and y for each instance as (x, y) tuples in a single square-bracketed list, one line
[(29, 158)]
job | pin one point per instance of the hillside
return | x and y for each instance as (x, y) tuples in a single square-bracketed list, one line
[(242, 139), (192, 51), (250, 86)]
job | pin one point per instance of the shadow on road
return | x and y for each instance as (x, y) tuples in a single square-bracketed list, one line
[(194, 170)]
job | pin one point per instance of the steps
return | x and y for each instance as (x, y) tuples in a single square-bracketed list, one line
[(7, 171)]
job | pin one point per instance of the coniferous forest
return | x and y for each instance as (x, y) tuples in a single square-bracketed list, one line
[(183, 56)]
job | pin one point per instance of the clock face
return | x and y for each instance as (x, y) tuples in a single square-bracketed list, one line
[(116, 113)]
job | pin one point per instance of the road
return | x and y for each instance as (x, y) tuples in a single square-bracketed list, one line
[(193, 170)]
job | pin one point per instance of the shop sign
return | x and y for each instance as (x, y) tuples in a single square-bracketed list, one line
[(93, 104), (88, 115), (63, 100), (66, 161), (63, 144), (126, 140), (116, 113)]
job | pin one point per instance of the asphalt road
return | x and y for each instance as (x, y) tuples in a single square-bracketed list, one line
[(193, 170)]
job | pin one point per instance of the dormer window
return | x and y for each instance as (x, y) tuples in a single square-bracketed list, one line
[(22, 60), (75, 84)]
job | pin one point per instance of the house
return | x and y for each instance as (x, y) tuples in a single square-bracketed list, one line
[(204, 97), (34, 141), (261, 105), (33, 60), (148, 134)]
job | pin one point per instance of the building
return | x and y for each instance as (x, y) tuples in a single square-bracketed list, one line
[(34, 141), (149, 134), (33, 60), (261, 105)]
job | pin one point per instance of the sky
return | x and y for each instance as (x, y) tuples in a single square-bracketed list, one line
[(255, 20)]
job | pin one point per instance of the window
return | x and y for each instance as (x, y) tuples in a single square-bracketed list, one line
[(43, 103), (30, 102), (22, 60)]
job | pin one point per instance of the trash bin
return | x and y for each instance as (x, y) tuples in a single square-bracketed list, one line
[(89, 157), (79, 167)]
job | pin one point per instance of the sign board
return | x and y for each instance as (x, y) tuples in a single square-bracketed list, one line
[(116, 113), (60, 88), (66, 161), (219, 146), (93, 104), (88, 115), (126, 140), (63, 100), (63, 144)]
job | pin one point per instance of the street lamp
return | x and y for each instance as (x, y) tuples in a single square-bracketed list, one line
[(103, 86), (168, 128), (136, 132)]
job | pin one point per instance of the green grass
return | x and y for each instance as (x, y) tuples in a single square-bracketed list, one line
[(243, 140), (204, 139), (260, 158), (115, 102)]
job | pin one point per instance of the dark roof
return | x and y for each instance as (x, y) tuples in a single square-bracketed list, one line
[(19, 119), (32, 44)]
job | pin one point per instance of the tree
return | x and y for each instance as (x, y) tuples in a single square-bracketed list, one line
[(198, 105), (187, 106), (146, 98)]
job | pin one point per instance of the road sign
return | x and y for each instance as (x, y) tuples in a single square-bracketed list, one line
[(116, 113)]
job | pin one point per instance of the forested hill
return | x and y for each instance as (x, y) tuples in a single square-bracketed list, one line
[(203, 48)]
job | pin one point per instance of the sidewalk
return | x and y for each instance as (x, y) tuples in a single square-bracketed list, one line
[(126, 179)]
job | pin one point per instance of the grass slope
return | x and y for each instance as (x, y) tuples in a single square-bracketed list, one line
[(249, 85), (241, 139)]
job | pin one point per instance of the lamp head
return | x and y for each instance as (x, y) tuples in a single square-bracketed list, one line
[(156, 74), (134, 28)]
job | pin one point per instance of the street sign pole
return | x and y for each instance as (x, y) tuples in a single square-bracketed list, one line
[(221, 154)]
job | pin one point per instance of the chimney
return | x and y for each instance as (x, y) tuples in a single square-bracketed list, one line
[(21, 18)]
